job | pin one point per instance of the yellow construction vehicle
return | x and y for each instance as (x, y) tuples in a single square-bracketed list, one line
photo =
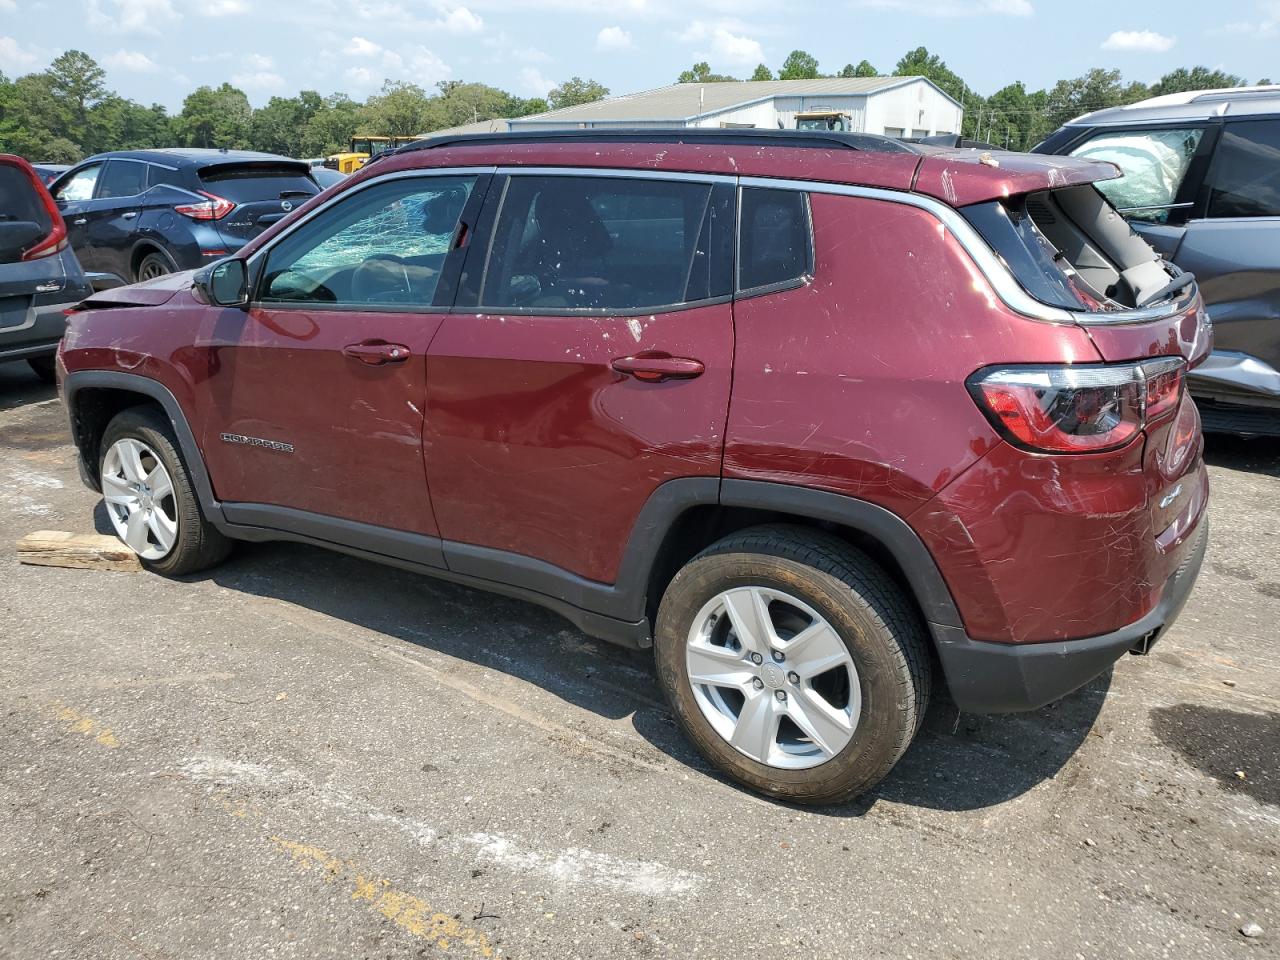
[(823, 120), (363, 147)]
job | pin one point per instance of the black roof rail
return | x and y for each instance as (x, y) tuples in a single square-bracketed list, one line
[(750, 137)]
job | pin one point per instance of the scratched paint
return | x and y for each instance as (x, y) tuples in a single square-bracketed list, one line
[(86, 726), (409, 912)]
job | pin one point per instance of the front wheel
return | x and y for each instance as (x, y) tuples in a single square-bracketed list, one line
[(793, 662), (150, 499)]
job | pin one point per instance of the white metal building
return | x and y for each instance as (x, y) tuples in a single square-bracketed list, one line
[(896, 106)]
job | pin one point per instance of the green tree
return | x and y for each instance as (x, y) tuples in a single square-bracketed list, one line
[(1197, 78), (574, 91), (762, 73), (75, 81), (921, 63), (701, 73), (799, 66), (863, 69), (400, 110), (520, 107), (34, 120), (1096, 90), (220, 117), (125, 125), (330, 128)]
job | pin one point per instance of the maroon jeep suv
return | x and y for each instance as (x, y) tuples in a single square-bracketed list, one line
[(823, 418)]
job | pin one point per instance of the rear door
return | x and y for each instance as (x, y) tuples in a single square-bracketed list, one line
[(113, 217), (587, 362), (262, 191), (315, 404)]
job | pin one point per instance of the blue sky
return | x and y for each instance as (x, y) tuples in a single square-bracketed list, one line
[(158, 50)]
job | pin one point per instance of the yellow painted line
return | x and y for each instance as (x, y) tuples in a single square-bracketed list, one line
[(86, 726), (410, 913)]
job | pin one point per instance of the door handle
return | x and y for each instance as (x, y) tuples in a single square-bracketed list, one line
[(376, 352), (79, 222), (129, 216), (654, 369)]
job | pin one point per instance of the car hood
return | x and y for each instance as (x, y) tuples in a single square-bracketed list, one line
[(150, 293)]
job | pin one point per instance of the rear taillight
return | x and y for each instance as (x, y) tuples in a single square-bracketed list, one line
[(215, 208), (55, 241), (1079, 408)]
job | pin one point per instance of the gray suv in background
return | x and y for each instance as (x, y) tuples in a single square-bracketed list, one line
[(39, 275), (1202, 185)]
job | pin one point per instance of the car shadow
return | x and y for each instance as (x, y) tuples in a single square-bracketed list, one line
[(958, 761), (1248, 454), (20, 386)]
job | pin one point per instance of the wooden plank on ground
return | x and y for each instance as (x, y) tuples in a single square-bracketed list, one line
[(91, 551)]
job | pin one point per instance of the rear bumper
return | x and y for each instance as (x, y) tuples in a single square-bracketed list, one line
[(987, 677), (37, 336)]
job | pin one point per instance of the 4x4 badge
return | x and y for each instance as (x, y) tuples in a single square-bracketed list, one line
[(257, 442)]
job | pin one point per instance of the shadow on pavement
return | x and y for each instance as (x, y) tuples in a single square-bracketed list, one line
[(1251, 454), (19, 386), (958, 762)]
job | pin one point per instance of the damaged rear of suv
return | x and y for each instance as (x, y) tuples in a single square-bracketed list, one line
[(824, 419)]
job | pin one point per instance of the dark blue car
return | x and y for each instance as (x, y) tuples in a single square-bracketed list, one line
[(139, 214)]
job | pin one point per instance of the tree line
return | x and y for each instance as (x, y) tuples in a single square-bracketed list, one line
[(67, 112), (1012, 116)]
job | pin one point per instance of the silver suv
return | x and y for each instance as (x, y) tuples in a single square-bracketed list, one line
[(1202, 184)]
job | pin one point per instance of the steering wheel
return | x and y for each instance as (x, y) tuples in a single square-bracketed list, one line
[(380, 276)]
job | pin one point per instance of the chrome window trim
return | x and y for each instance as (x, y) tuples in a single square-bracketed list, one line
[(624, 173)]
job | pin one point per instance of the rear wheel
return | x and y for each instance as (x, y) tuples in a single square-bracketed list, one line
[(793, 663), (150, 498), (43, 367), (153, 265)]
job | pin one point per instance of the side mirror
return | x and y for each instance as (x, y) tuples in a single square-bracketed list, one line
[(225, 283)]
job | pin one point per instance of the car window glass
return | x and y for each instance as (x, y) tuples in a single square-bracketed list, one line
[(79, 186), (255, 182), (775, 239), (122, 178), (599, 243), (1154, 163), (1245, 178), (162, 176), (383, 245)]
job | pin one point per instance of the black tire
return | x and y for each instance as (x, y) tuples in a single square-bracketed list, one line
[(199, 544), (43, 367), (882, 630), (151, 266)]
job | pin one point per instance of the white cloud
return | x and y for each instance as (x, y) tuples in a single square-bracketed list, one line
[(256, 61), (360, 47), (13, 54), (220, 8), (258, 80), (131, 60), (7, 5), (613, 38), (425, 68), (361, 76), (954, 8), (1266, 27), (459, 20), (726, 46), (1142, 41), (535, 82), (131, 16)]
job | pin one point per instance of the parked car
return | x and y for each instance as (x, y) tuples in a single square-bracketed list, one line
[(39, 275), (1202, 185), (825, 419), (50, 172), (140, 214), (327, 178)]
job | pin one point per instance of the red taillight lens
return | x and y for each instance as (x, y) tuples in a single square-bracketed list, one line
[(1081, 408), (215, 208), (55, 241)]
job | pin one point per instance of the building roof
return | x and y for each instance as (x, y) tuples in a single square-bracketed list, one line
[(1191, 105), (686, 101), (497, 125)]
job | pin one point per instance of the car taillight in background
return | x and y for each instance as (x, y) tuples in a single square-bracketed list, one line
[(215, 208), (1081, 408)]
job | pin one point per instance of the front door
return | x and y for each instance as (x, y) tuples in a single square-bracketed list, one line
[(315, 397), (74, 195), (589, 363)]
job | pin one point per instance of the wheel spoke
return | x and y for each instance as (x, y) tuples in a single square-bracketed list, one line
[(164, 529), (135, 534), (829, 729), (717, 667), (749, 613), (117, 490), (756, 731), (815, 650), (131, 460), (159, 482)]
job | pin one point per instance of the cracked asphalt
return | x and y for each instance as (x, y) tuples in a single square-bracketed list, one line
[(305, 755)]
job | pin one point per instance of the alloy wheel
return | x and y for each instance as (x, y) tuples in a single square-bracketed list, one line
[(140, 501), (152, 269), (773, 677)]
